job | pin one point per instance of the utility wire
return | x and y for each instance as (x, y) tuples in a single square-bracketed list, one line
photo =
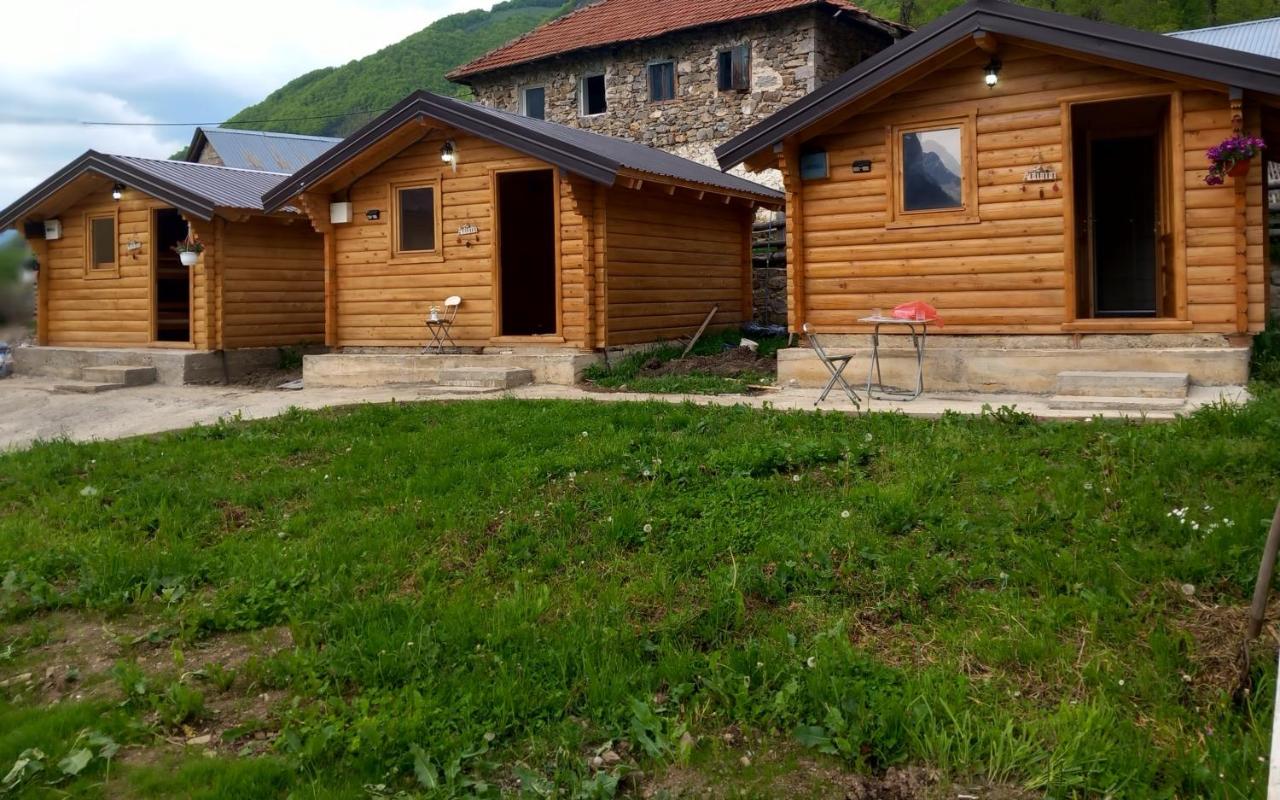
[(35, 121)]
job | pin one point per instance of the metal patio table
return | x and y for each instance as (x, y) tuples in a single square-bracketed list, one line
[(875, 382)]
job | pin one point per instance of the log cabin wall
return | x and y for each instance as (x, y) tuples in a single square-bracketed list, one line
[(82, 307), (272, 283), (1008, 272), (383, 301), (671, 258)]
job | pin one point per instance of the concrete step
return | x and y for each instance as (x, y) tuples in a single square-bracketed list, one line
[(85, 387), (485, 377), (1093, 402), (121, 375), (1123, 383)]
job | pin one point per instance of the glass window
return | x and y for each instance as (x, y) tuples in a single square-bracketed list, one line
[(593, 100), (932, 169), (662, 81), (733, 69), (417, 219), (102, 237), (533, 102)]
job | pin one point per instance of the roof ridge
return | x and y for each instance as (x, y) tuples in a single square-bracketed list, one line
[(282, 134), (194, 164), (536, 29)]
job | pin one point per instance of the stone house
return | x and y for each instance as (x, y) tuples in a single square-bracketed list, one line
[(682, 76)]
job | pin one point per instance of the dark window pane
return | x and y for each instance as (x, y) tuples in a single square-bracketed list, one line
[(417, 219), (724, 70), (535, 103), (931, 169), (742, 67), (104, 241), (662, 81), (593, 101)]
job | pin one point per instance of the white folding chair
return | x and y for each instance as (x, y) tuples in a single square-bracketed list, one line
[(835, 365), (441, 330)]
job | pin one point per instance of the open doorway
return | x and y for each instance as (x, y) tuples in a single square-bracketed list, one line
[(1123, 234), (527, 252), (172, 290)]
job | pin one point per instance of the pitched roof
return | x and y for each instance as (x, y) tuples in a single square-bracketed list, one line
[(1139, 48), (1261, 36), (196, 189), (259, 150), (610, 22), (598, 158)]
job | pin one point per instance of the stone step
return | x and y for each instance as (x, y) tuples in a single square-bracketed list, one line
[(485, 377), (119, 374), (86, 387), (1123, 383), (1093, 402)]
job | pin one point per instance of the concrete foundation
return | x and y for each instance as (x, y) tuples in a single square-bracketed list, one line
[(173, 367), (1029, 364), (364, 369)]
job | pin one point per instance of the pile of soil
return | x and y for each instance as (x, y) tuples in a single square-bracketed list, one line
[(733, 363)]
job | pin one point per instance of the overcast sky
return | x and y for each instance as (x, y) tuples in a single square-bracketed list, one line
[(154, 61)]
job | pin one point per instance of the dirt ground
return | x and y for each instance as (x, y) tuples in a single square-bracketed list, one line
[(733, 363)]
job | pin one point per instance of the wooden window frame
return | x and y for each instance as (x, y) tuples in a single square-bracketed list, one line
[(743, 48), (582, 94), (92, 270), (524, 106), (675, 81), (968, 212), (399, 256)]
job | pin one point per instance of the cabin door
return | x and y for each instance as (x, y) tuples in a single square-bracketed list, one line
[(171, 289), (1124, 237), (526, 225)]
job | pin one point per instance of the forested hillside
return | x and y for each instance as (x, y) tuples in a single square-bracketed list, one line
[(336, 100)]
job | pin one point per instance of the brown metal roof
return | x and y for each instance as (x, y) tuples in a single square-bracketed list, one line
[(1151, 51), (611, 22), (195, 189), (598, 158)]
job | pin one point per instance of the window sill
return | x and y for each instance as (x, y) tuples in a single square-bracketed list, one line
[(932, 221), (102, 274), (417, 258)]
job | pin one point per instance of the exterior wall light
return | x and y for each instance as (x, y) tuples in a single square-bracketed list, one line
[(447, 153), (117, 192), (993, 72)]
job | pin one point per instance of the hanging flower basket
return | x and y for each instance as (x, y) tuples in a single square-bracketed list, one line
[(189, 251), (1232, 157)]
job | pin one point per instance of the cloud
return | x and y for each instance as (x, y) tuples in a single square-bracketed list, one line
[(66, 61)]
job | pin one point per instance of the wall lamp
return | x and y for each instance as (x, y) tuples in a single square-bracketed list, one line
[(449, 154), (117, 191), (992, 72)]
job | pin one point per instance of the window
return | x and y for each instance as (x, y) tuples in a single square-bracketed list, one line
[(416, 220), (813, 164), (934, 173), (733, 69), (533, 102), (592, 94), (662, 81), (101, 232)]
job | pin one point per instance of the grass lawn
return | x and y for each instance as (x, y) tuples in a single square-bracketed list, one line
[(580, 600)]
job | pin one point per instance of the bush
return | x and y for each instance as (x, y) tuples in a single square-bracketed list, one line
[(1264, 365)]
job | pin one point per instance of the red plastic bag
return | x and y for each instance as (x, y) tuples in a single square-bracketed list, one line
[(918, 309)]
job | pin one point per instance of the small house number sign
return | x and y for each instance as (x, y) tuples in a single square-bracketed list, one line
[(468, 229), (1040, 174)]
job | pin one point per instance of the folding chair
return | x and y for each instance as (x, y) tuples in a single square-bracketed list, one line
[(441, 329), (835, 365)]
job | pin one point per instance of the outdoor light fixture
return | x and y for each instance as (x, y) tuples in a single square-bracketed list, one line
[(117, 191), (447, 153), (993, 72)]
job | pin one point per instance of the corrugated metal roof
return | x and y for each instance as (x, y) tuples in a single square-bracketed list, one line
[(1261, 36), (597, 157), (223, 187), (261, 150), (610, 22)]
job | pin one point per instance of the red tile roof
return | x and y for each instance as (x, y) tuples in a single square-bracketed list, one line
[(615, 21)]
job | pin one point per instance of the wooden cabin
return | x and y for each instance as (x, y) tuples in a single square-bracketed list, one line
[(1040, 179), (103, 230), (552, 237)]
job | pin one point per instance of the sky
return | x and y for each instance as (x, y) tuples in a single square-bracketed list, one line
[(156, 61)]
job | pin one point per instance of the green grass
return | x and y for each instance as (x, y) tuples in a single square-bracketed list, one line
[(487, 594), (626, 372)]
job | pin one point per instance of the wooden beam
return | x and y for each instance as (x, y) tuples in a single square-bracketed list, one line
[(789, 165), (1239, 222), (986, 42), (40, 248)]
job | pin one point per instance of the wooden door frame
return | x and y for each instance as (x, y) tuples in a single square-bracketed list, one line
[(153, 267), (496, 267), (1172, 200)]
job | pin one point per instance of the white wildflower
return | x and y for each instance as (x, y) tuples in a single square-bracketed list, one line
[(868, 437), (1088, 486), (648, 528), (795, 478), (844, 514), (811, 662), (88, 491)]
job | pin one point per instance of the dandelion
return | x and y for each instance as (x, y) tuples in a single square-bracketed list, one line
[(647, 473), (1122, 681), (795, 478), (868, 437), (811, 662), (844, 514), (648, 528), (585, 434)]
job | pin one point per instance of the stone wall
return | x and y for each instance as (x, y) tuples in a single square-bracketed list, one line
[(791, 55), (769, 286)]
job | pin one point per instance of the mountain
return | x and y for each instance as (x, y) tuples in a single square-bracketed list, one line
[(322, 102), (334, 101)]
